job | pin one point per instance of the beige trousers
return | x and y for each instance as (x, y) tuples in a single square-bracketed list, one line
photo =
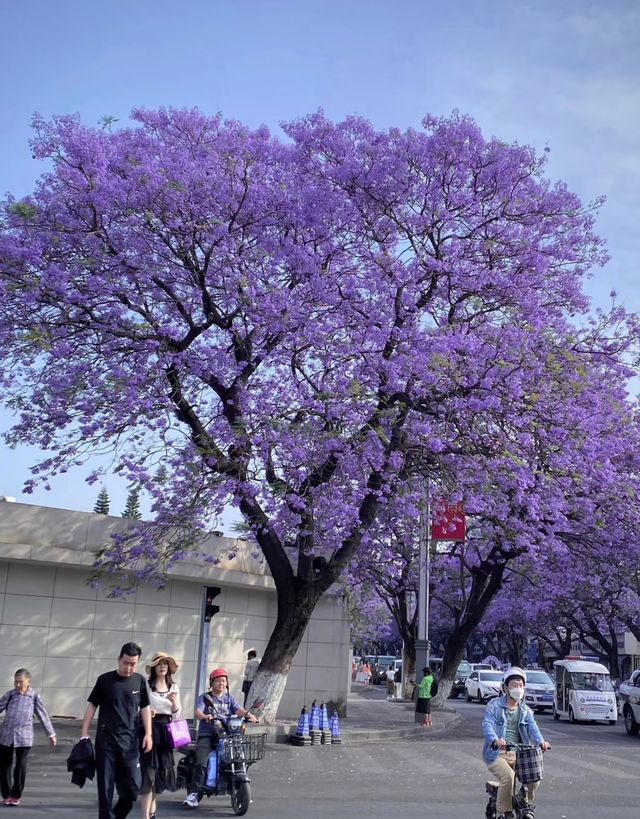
[(504, 771)]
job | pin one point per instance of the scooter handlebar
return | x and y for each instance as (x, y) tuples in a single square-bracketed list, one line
[(512, 746)]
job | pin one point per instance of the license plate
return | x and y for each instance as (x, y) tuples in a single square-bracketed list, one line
[(546, 698)]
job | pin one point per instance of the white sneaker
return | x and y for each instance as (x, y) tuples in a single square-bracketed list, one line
[(191, 801)]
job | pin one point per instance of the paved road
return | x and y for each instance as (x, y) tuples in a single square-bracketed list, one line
[(592, 772)]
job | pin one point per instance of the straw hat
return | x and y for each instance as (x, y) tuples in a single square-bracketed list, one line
[(158, 657)]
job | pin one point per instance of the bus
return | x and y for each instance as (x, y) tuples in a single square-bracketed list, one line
[(583, 691)]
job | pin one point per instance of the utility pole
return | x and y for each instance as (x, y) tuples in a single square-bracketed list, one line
[(423, 645)]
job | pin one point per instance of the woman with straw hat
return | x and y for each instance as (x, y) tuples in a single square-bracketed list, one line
[(158, 767)]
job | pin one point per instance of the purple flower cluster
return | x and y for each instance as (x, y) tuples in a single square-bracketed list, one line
[(307, 328)]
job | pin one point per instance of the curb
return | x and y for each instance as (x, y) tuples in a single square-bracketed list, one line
[(68, 730), (283, 734)]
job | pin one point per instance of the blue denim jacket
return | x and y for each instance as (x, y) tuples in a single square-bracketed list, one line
[(494, 726)]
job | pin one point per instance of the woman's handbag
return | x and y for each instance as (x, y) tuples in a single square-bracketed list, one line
[(179, 733)]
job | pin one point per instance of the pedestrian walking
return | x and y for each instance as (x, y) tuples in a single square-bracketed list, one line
[(250, 671), (423, 705), (122, 698), (398, 683), (391, 683), (158, 765), (16, 734)]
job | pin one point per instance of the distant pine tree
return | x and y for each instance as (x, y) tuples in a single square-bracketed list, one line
[(132, 508), (102, 504)]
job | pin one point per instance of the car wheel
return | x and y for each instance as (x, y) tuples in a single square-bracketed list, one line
[(630, 724), (612, 722), (555, 714), (572, 717), (469, 697)]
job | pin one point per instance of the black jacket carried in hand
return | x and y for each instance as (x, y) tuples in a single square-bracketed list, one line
[(82, 762)]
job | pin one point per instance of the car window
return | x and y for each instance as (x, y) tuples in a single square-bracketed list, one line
[(490, 676), (464, 668), (539, 678), (587, 681)]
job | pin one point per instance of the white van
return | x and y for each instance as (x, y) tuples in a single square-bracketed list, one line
[(583, 691)]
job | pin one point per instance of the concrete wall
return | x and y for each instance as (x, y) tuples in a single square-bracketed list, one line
[(66, 632)]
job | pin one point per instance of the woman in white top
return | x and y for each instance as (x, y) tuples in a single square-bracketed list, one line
[(158, 767)]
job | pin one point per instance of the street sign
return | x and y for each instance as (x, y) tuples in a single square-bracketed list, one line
[(448, 521)]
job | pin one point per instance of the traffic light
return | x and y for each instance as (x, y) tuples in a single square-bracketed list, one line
[(209, 607)]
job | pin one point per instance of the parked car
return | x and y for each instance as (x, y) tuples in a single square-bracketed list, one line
[(462, 672), (629, 702), (483, 685), (538, 693)]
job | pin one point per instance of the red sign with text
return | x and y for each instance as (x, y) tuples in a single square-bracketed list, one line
[(448, 521)]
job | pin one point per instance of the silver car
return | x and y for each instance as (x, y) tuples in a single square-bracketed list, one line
[(538, 692)]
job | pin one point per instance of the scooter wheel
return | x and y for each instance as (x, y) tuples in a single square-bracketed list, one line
[(241, 798)]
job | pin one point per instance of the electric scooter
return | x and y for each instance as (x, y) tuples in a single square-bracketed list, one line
[(228, 764), (521, 807)]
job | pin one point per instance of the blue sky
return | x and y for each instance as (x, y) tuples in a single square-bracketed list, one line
[(563, 74)]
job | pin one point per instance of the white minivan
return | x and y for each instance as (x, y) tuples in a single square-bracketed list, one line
[(583, 691)]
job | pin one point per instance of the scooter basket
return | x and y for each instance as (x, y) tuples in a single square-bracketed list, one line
[(247, 748), (529, 765)]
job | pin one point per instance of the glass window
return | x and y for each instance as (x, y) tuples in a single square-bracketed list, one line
[(490, 676), (539, 678), (587, 681)]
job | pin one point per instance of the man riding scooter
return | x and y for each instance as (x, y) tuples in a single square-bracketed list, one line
[(211, 707), (509, 721)]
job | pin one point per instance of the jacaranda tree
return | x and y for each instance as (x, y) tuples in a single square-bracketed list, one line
[(291, 325)]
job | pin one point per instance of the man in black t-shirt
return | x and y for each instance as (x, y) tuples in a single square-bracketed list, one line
[(122, 698)]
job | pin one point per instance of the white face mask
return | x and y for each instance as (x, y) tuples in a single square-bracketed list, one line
[(516, 693)]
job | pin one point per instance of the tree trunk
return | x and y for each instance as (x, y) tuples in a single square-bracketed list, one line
[(485, 584), (408, 666), (294, 614)]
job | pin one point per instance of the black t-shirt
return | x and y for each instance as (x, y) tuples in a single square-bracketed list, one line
[(119, 700)]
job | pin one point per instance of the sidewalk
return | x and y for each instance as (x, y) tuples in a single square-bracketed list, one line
[(369, 717)]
